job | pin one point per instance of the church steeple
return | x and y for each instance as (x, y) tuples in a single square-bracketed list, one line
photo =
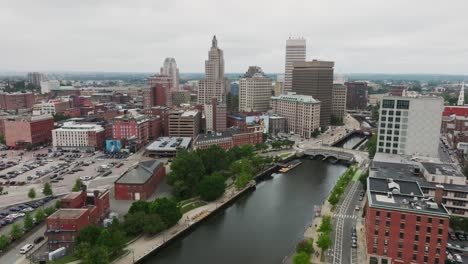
[(214, 42)]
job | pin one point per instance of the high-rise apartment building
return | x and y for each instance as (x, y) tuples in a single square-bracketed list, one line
[(315, 78), (338, 102), (47, 86), (36, 78), (170, 69), (16, 101), (279, 85), (302, 112), (410, 125), (356, 96), (159, 91), (255, 91), (295, 52), (214, 84), (215, 116)]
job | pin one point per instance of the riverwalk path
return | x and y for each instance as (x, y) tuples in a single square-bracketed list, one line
[(144, 245)]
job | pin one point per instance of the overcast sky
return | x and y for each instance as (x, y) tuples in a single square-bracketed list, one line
[(371, 36)]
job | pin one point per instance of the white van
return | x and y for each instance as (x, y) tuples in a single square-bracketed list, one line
[(26, 248)]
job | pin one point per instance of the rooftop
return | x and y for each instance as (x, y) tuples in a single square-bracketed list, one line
[(291, 96), (80, 126), (442, 169), (218, 135), (455, 110), (169, 144), (68, 213), (141, 173), (401, 195)]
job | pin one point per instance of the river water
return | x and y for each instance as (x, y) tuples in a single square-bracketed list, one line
[(262, 226)]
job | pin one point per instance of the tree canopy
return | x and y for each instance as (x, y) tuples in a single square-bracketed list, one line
[(211, 187)]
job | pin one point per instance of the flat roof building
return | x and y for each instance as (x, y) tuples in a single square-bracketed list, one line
[(184, 123), (168, 146), (79, 136)]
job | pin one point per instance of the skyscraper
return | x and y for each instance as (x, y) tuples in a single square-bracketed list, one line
[(159, 91), (356, 95), (315, 78), (215, 116), (170, 68), (36, 78), (255, 91), (295, 51), (214, 84)]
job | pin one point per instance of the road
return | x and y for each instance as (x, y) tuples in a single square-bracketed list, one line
[(13, 254), (444, 154)]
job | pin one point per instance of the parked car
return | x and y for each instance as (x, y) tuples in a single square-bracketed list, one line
[(26, 248), (85, 178), (38, 239)]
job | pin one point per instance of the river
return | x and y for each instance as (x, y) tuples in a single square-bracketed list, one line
[(262, 226)]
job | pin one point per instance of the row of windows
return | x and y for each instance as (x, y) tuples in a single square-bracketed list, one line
[(400, 256), (396, 132), (403, 217), (401, 104)]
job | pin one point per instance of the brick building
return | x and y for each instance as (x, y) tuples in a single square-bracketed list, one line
[(215, 116), (16, 101), (140, 182), (133, 126), (398, 90), (356, 95), (23, 131), (228, 139), (402, 225), (454, 124), (78, 209), (159, 91)]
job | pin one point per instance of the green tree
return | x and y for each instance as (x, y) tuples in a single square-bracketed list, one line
[(188, 168), (96, 255), (105, 239), (40, 215), (372, 146), (89, 234), (324, 241), (276, 144), (58, 204), (167, 209), (50, 210), (306, 246), (117, 242), (28, 221), (242, 166), (4, 242), (247, 150), (315, 133), (261, 146), (47, 190), (242, 180), (180, 190), (301, 258), (134, 223), (211, 187), (2, 139), (60, 117), (326, 225), (153, 224), (16, 231), (32, 193), (77, 186), (81, 249), (214, 159), (139, 206)]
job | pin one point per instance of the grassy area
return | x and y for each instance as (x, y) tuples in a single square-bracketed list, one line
[(66, 259), (191, 206), (284, 155), (357, 175)]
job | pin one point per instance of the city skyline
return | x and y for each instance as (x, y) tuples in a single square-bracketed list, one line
[(408, 38)]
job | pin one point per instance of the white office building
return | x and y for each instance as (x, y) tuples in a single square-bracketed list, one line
[(78, 136), (170, 69), (47, 86), (255, 93), (410, 125), (295, 51)]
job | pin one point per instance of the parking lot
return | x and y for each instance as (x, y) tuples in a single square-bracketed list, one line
[(457, 245)]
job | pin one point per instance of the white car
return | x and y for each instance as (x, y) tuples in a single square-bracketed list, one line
[(85, 178), (27, 209), (458, 258), (26, 248)]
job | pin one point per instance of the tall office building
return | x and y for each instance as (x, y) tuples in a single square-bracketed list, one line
[(36, 78), (215, 116), (315, 78), (170, 69), (214, 84), (159, 91), (410, 125), (338, 102), (255, 91), (295, 52), (356, 95)]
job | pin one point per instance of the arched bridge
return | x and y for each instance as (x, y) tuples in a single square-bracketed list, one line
[(333, 154)]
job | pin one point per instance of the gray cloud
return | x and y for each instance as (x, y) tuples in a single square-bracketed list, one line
[(359, 35)]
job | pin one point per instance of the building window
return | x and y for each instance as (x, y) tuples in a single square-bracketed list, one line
[(417, 228), (377, 222), (388, 104), (389, 214), (386, 242), (398, 113), (402, 235), (403, 216), (441, 222), (385, 252), (428, 239), (374, 250), (375, 241), (400, 245), (425, 259), (415, 247), (429, 220), (402, 226), (386, 232), (384, 112), (387, 223), (440, 232), (382, 124), (383, 118), (402, 104), (418, 218), (399, 254), (415, 257), (436, 261), (377, 213), (416, 237), (376, 231), (439, 241), (429, 229)]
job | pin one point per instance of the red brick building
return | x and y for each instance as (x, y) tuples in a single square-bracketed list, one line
[(140, 182), (402, 225), (228, 139), (454, 120), (23, 131), (398, 90), (159, 91), (356, 95), (78, 209), (15, 101), (137, 127)]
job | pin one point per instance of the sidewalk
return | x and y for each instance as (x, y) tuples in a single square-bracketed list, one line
[(311, 231)]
